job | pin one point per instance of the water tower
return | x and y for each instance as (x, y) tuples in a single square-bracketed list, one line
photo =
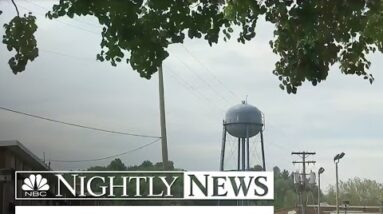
[(243, 122)]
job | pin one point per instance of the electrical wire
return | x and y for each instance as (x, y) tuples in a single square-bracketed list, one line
[(89, 59), (77, 125), (187, 50), (108, 157), (49, 9), (41, 14), (202, 79), (184, 83), (211, 73), (188, 67)]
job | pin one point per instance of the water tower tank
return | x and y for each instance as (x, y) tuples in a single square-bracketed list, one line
[(243, 120)]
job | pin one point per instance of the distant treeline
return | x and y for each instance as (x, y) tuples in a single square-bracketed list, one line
[(357, 191)]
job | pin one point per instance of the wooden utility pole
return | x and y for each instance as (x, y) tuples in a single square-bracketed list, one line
[(303, 155), (164, 143)]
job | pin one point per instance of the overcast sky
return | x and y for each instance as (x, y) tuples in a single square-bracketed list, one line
[(342, 114)]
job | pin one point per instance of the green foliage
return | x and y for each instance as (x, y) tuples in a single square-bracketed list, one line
[(285, 195), (19, 36), (118, 165), (358, 191), (286, 192), (144, 28), (310, 35), (257, 168)]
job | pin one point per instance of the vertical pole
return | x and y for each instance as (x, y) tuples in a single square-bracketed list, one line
[(304, 185), (318, 192), (303, 179), (337, 188), (2, 198), (299, 196), (164, 142), (263, 152), (381, 207), (302, 199), (247, 149), (222, 161), (243, 155), (248, 153), (345, 208), (239, 202), (243, 161), (239, 154)]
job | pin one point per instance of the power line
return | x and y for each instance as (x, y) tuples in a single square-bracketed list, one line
[(59, 21), (203, 80), (184, 83), (211, 73), (188, 67), (77, 125), (48, 9), (68, 55), (107, 157), (187, 50)]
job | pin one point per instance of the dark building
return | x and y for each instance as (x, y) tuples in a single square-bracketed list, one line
[(15, 157)]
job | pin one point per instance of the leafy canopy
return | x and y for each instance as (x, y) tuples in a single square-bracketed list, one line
[(19, 36), (310, 35)]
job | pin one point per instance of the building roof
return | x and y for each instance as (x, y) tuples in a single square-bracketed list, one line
[(23, 153)]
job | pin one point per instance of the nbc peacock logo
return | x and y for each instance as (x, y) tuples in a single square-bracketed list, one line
[(35, 186)]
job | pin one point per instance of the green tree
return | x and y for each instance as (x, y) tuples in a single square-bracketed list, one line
[(358, 191), (117, 165), (310, 35), (284, 190), (19, 37)]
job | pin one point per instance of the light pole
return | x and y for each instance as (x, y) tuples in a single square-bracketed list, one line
[(320, 171), (336, 160)]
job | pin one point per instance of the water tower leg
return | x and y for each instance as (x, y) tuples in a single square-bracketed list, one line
[(222, 161), (239, 154), (243, 155), (247, 154), (247, 149), (263, 152)]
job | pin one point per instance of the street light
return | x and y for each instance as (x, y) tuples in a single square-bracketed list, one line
[(336, 160), (320, 171), (338, 156)]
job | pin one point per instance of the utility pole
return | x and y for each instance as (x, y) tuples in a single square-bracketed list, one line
[(337, 188), (302, 186), (336, 161), (320, 171), (164, 143)]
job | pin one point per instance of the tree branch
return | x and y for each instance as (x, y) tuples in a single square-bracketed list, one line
[(17, 9)]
